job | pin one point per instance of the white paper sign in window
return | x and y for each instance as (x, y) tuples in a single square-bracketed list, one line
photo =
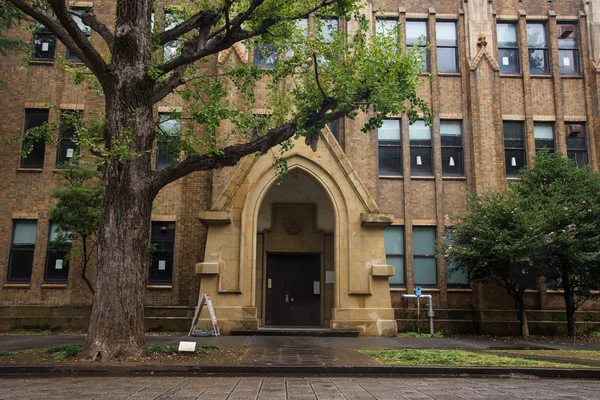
[(45, 46), (162, 265), (505, 61), (59, 264), (69, 153), (566, 62)]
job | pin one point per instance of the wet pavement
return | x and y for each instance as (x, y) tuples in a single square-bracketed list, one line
[(256, 388)]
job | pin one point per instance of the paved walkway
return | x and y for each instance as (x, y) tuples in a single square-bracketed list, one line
[(180, 388)]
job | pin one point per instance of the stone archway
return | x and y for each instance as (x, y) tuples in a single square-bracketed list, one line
[(361, 297)]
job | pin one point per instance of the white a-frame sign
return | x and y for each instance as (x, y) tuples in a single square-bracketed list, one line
[(202, 301)]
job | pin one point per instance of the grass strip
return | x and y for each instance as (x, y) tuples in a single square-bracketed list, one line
[(458, 358)]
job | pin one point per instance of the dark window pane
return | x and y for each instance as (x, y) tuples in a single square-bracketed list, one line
[(515, 160), (569, 62), (579, 156), (393, 238), (447, 59), (390, 160), (163, 242), (57, 267), (544, 144), (509, 61), (35, 159), (86, 30), (514, 134), (334, 127), (20, 263), (576, 143), (538, 62), (398, 263), (452, 161), (44, 44), (168, 137), (425, 271), (67, 148), (420, 161), (454, 277)]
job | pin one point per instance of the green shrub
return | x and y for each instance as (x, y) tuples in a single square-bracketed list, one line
[(157, 348), (5, 353), (595, 335)]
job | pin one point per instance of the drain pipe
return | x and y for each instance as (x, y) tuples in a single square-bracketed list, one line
[(430, 313)]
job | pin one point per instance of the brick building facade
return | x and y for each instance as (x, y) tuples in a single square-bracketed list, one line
[(503, 78)]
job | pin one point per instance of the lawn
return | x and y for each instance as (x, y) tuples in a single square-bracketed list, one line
[(458, 358), (578, 354)]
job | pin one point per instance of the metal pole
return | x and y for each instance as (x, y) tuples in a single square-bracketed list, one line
[(418, 315), (430, 313)]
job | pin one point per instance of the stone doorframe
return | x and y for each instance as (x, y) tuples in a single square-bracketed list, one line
[(361, 299)]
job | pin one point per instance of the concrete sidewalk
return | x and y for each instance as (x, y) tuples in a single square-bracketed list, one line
[(309, 355)]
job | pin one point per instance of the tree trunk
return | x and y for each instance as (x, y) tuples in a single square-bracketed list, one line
[(518, 297), (569, 303), (117, 321)]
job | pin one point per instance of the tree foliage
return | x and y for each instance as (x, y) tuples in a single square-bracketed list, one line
[(77, 212), (9, 16), (545, 224)]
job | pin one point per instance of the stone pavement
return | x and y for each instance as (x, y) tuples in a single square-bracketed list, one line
[(256, 388)]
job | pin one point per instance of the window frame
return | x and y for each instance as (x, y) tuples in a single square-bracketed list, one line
[(544, 49), (423, 47), (514, 149), (29, 112), (53, 255), (30, 248), (565, 48), (388, 144), (87, 33), (399, 255), (455, 47), (164, 148), (43, 32), (420, 148), (154, 262), (578, 150), (431, 256), (552, 126), (459, 148), (66, 142), (503, 47)]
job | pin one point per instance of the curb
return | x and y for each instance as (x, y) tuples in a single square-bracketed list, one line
[(13, 371)]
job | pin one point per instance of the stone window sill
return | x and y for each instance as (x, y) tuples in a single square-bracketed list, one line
[(32, 170), (572, 77), (391, 177), (54, 285), (17, 285), (397, 289), (424, 178), (514, 76), (460, 290), (41, 62), (454, 178), (159, 287), (451, 74), (541, 76)]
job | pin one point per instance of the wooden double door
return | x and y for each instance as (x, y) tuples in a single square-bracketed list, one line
[(293, 290)]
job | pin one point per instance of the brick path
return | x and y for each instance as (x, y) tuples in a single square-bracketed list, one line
[(257, 388)]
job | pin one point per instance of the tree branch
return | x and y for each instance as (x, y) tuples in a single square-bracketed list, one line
[(199, 20), (93, 59), (89, 18)]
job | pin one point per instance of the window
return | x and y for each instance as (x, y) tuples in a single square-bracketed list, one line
[(447, 46), (44, 44), (393, 238), (576, 143), (35, 159), (20, 260), (420, 148), (568, 49), (57, 266), (327, 28), (163, 247), (454, 277), (84, 29), (334, 127), (544, 136), (170, 49), (425, 268), (452, 150), (416, 35), (538, 49), (302, 26), (390, 147), (387, 27), (514, 147), (508, 48), (169, 128), (67, 148), (265, 55)]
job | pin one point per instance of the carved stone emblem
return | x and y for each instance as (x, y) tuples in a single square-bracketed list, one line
[(294, 225)]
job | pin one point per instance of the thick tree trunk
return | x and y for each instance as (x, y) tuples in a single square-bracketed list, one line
[(117, 321), (569, 303), (520, 303)]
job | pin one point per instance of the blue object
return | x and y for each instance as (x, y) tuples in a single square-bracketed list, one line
[(418, 291)]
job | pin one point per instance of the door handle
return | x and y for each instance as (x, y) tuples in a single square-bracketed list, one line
[(292, 300), (287, 298)]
